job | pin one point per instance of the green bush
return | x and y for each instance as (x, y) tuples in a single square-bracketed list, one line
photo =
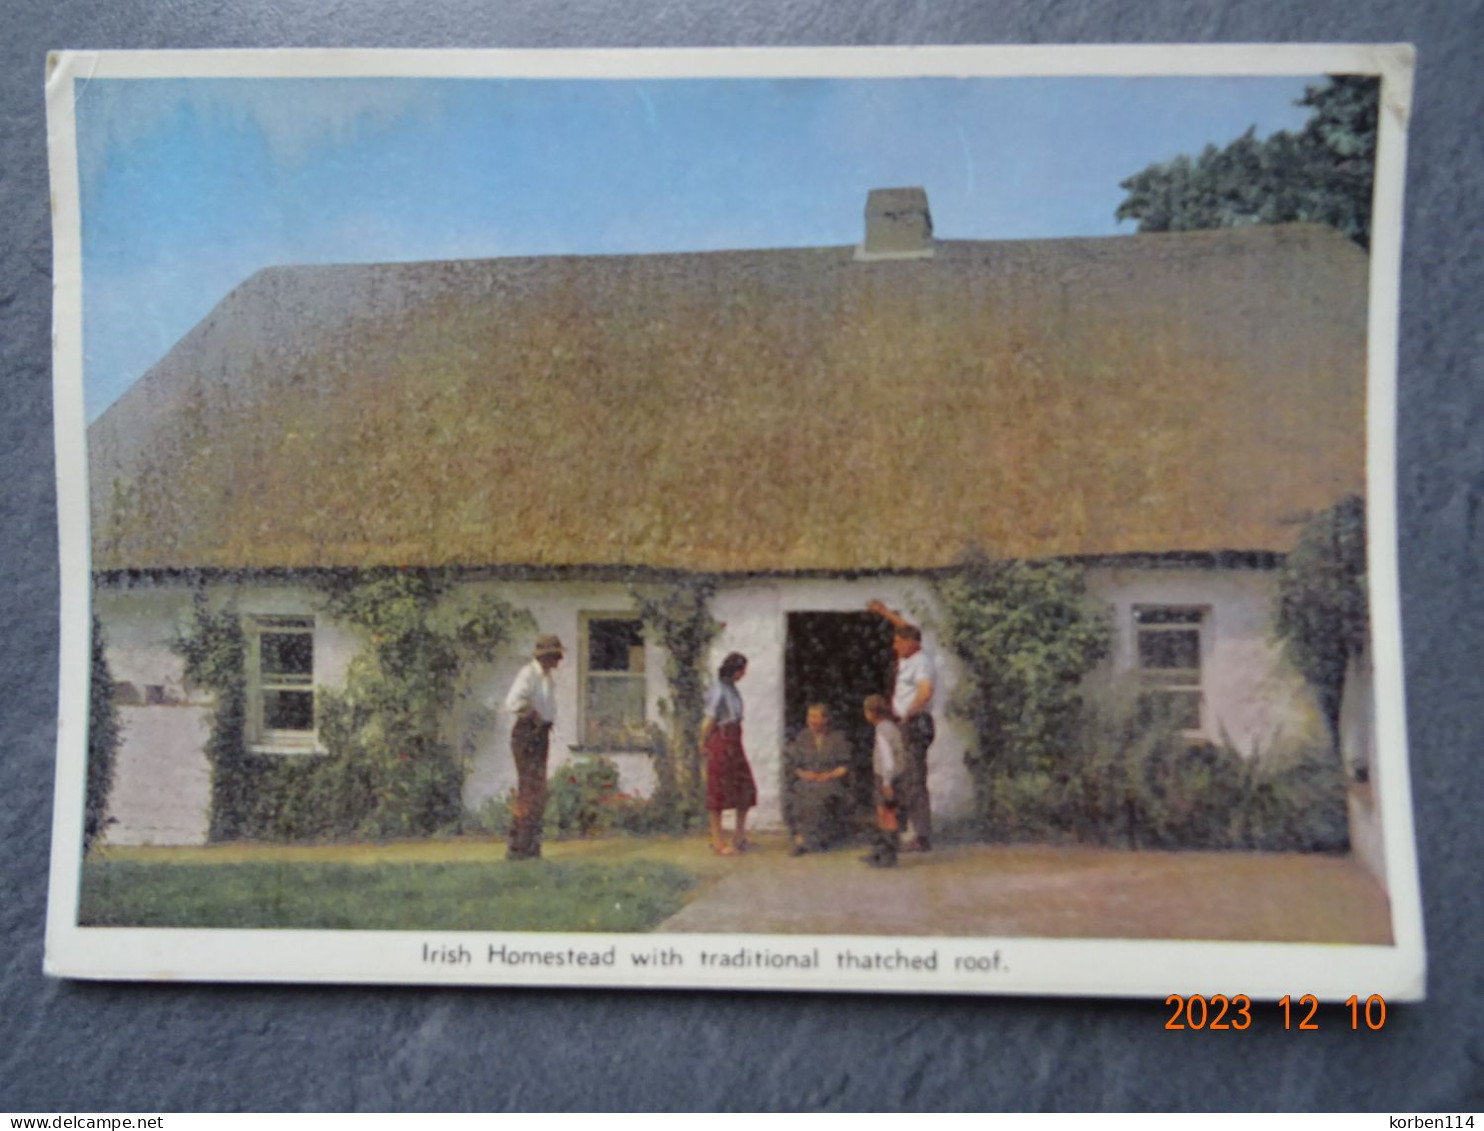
[(1028, 635), (584, 800), (1322, 616), (577, 798), (387, 770), (105, 731), (678, 616), (1129, 779)]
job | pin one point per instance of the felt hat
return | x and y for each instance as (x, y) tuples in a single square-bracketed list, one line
[(548, 646)]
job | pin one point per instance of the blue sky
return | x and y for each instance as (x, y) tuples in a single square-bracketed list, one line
[(189, 186)]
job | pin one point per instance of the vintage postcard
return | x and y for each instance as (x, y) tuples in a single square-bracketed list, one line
[(889, 520)]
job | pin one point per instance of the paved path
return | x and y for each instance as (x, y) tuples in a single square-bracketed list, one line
[(990, 891)]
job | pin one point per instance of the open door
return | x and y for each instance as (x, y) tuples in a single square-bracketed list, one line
[(838, 659)]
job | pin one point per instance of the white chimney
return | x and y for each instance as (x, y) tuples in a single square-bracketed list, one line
[(898, 225)]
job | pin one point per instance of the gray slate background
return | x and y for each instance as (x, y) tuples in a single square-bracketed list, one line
[(84, 1047)]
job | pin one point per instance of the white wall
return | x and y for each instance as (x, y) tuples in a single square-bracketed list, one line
[(756, 618), (1251, 692), (163, 782), (1358, 750), (480, 725)]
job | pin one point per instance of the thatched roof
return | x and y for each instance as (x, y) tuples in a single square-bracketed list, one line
[(775, 411)]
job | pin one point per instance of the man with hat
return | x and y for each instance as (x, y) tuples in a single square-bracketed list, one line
[(532, 700)]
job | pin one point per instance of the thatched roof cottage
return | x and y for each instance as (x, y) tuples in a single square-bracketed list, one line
[(818, 426)]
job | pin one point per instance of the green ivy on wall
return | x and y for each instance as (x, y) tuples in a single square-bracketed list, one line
[(214, 649), (678, 616), (104, 734), (387, 769)]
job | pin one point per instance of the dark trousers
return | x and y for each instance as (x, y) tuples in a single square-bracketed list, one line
[(530, 741), (917, 735)]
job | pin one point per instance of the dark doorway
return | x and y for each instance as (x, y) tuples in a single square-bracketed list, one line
[(838, 659)]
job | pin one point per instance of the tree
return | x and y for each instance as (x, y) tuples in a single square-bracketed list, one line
[(1322, 615), (1323, 174), (1028, 635)]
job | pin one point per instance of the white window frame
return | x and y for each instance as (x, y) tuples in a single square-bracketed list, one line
[(585, 674), (261, 739), (1156, 680)]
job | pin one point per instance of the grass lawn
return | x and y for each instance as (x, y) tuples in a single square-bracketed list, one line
[(493, 895)]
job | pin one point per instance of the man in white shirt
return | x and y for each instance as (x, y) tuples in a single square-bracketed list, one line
[(912, 702), (532, 700)]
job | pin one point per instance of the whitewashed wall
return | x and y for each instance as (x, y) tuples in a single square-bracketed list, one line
[(481, 726), (162, 780), (1358, 749), (756, 619), (162, 792), (1251, 692)]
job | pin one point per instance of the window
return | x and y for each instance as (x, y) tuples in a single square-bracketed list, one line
[(281, 688), (613, 683), (1167, 642)]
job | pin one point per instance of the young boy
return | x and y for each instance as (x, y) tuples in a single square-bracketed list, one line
[(890, 763)]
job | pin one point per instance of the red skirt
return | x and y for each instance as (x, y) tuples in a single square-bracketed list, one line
[(729, 783)]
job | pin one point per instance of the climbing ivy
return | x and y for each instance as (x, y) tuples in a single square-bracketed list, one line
[(1027, 634), (1322, 615), (214, 649), (387, 770), (677, 614), (104, 733)]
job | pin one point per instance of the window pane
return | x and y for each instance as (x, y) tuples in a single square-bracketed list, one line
[(1180, 710), (1167, 615), (287, 654), (288, 710), (1170, 648), (615, 711), (615, 646)]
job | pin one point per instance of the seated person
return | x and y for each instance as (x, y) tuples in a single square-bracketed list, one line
[(816, 766)]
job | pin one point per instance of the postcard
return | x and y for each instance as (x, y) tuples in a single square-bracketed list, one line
[(867, 520)]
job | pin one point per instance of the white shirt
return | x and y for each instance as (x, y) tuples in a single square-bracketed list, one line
[(533, 688), (910, 672), (890, 755), (724, 703)]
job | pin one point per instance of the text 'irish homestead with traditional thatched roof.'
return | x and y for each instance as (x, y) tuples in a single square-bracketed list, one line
[(818, 425)]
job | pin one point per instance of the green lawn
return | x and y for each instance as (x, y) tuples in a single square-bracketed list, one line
[(541, 895)]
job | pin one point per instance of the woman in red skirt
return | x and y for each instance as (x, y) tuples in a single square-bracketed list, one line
[(729, 783)]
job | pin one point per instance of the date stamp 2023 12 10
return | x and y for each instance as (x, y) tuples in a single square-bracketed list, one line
[(1222, 1012)]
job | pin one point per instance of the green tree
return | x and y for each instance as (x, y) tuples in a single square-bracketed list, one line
[(1322, 614), (104, 733), (1322, 174), (1028, 635)]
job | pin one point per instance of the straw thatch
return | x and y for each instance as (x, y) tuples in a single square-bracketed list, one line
[(773, 411)]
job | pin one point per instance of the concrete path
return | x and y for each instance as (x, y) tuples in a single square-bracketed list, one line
[(1044, 892)]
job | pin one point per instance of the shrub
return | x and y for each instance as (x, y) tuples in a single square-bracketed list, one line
[(678, 615), (387, 772), (105, 731), (492, 818), (577, 799), (1129, 778), (214, 650), (1028, 636), (1321, 614)]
